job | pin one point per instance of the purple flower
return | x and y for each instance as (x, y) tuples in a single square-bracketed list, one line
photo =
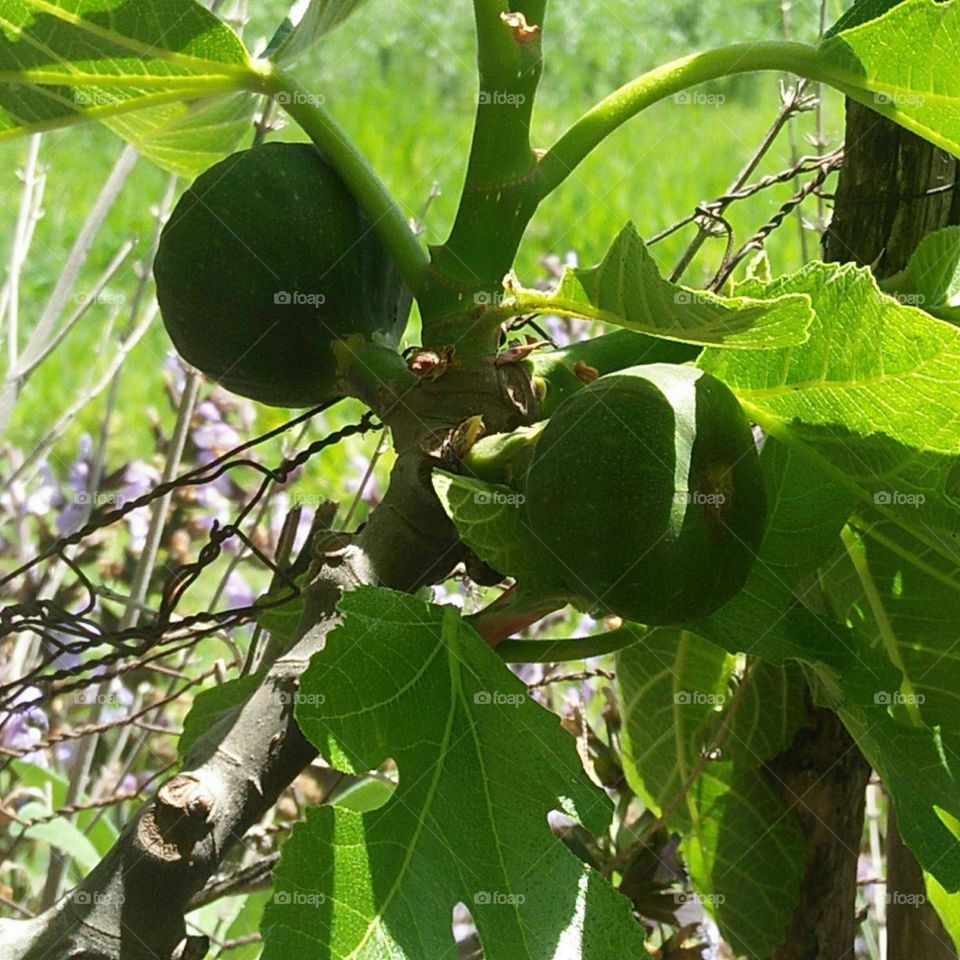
[(586, 625), (208, 410), (77, 500), (238, 592), (443, 594), (24, 727), (128, 784), (223, 484), (216, 436), (46, 494), (138, 478), (213, 504)]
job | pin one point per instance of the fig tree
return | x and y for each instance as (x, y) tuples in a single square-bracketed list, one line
[(267, 259), (646, 491)]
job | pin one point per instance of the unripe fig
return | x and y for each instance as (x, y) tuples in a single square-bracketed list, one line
[(646, 491), (266, 260)]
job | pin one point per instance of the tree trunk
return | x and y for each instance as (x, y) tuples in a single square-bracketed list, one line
[(893, 189), (823, 778), (913, 927)]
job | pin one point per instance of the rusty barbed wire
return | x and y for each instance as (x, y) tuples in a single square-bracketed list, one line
[(829, 164), (72, 632), (708, 209)]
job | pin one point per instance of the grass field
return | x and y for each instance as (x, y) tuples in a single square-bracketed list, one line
[(404, 87)]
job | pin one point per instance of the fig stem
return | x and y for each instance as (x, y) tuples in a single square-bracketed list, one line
[(594, 126), (308, 110), (500, 190)]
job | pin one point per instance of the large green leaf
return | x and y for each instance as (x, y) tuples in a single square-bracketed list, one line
[(480, 767), (309, 20), (806, 513), (904, 599), (919, 767), (489, 518), (746, 858), (931, 279), (871, 398), (861, 12), (902, 63), (671, 683), (188, 138), (806, 510), (947, 906), (772, 708), (64, 61), (767, 620), (743, 847), (626, 289)]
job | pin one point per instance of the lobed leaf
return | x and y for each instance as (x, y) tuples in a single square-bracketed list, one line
[(480, 767), (871, 398), (904, 598), (489, 518), (65, 61), (918, 766), (309, 20), (772, 709), (931, 280), (743, 847), (626, 290), (901, 62)]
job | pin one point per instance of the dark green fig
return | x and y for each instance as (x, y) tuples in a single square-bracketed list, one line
[(646, 491), (266, 260)]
